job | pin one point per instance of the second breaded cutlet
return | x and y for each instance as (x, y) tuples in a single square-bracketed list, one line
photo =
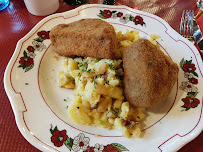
[(86, 37), (149, 75)]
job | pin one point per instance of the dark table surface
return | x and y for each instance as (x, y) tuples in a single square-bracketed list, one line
[(16, 22)]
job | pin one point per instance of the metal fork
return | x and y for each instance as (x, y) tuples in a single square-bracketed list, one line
[(186, 24)]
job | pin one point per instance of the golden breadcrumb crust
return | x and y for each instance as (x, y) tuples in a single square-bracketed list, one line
[(149, 75), (86, 37)]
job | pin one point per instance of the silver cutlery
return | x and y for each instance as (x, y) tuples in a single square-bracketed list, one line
[(190, 29), (186, 25)]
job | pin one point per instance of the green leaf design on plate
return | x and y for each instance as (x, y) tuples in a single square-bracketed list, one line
[(119, 147), (25, 54), (52, 130), (131, 18), (22, 66), (101, 12), (186, 109), (29, 67), (101, 16), (182, 62), (188, 62), (39, 39), (113, 11), (69, 143), (195, 73), (192, 94)]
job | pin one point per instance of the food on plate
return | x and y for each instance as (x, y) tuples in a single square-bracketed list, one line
[(149, 74), (92, 52), (86, 37), (99, 97)]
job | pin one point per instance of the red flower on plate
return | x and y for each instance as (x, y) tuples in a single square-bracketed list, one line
[(110, 148), (189, 68), (30, 49), (89, 149), (59, 137), (27, 61), (193, 80), (138, 20), (190, 102), (119, 14), (43, 34), (107, 13)]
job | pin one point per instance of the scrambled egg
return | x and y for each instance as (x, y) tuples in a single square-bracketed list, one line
[(99, 97)]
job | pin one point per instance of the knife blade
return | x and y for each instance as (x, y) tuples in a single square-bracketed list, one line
[(197, 34)]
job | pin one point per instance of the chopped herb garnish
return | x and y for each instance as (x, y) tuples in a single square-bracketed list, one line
[(64, 100), (79, 74), (111, 66), (26, 83), (67, 107), (89, 70), (149, 63), (102, 122), (80, 65), (83, 70)]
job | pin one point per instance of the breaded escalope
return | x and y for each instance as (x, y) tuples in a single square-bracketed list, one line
[(86, 37), (149, 75)]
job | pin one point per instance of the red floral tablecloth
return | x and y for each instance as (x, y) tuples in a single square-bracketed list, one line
[(16, 22)]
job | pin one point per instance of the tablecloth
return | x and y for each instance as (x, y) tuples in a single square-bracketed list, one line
[(16, 22)]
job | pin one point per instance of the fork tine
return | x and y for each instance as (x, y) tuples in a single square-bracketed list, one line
[(185, 24), (188, 24), (182, 22), (191, 28)]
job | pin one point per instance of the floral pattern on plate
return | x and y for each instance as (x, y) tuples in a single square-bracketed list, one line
[(189, 86), (124, 18), (27, 61), (81, 142)]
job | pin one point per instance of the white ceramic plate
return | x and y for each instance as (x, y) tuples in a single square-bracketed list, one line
[(39, 106)]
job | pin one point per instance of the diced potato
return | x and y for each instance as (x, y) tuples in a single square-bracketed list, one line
[(72, 65), (101, 67), (65, 80), (95, 114), (116, 92), (114, 82), (117, 104), (124, 110), (111, 121), (91, 94), (77, 99), (122, 128), (154, 36), (100, 80), (69, 85), (104, 104), (126, 43), (78, 114), (76, 73)]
